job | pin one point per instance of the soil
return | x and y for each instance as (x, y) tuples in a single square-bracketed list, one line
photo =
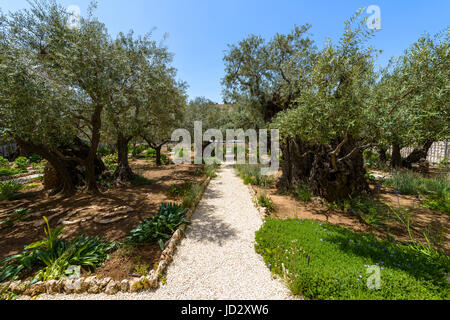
[(422, 219), (130, 205)]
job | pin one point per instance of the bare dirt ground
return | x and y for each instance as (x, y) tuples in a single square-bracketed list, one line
[(85, 213)]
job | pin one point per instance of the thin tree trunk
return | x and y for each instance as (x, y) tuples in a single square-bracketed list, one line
[(134, 149), (396, 160), (158, 155), (382, 159), (157, 149), (123, 172), (91, 183)]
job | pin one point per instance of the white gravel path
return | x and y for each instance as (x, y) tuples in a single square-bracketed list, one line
[(216, 259)]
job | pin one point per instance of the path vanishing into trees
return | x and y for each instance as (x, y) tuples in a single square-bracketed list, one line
[(216, 259)]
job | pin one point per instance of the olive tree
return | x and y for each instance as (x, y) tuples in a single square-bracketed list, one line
[(412, 99), (327, 128), (139, 63)]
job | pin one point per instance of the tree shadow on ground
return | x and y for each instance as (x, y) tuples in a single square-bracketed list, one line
[(388, 254), (207, 226)]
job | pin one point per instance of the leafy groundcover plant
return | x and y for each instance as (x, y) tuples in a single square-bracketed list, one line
[(52, 256), (160, 227), (328, 262), (9, 190)]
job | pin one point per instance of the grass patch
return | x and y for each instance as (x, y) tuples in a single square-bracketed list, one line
[(329, 262), (265, 202), (369, 211), (411, 183), (9, 171), (437, 189), (211, 169), (303, 193), (9, 190), (179, 190), (251, 174), (442, 205), (191, 194)]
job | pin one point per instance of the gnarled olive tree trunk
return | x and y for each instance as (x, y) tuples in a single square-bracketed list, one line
[(417, 154), (68, 161), (333, 172), (123, 172)]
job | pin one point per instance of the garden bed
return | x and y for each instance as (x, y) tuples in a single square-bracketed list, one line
[(383, 222), (111, 216)]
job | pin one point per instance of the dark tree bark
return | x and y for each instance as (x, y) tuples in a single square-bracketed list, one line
[(61, 166), (382, 159), (157, 148), (334, 171), (134, 149), (91, 181), (123, 172), (417, 154), (158, 155), (396, 160)]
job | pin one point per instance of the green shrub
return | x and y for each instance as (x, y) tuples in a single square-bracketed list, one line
[(326, 262), (21, 163), (9, 189), (165, 159), (104, 151), (211, 169), (111, 161), (370, 158), (191, 194), (444, 163), (3, 162), (34, 158), (150, 153), (199, 171), (179, 190), (160, 227), (7, 171), (442, 205), (369, 211), (140, 148), (39, 166), (303, 193), (265, 202)]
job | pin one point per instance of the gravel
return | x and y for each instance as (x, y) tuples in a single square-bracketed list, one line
[(216, 259)]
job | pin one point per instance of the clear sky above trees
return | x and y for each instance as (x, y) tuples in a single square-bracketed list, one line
[(199, 30)]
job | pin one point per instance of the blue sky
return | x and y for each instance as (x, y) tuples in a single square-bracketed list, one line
[(199, 30)]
